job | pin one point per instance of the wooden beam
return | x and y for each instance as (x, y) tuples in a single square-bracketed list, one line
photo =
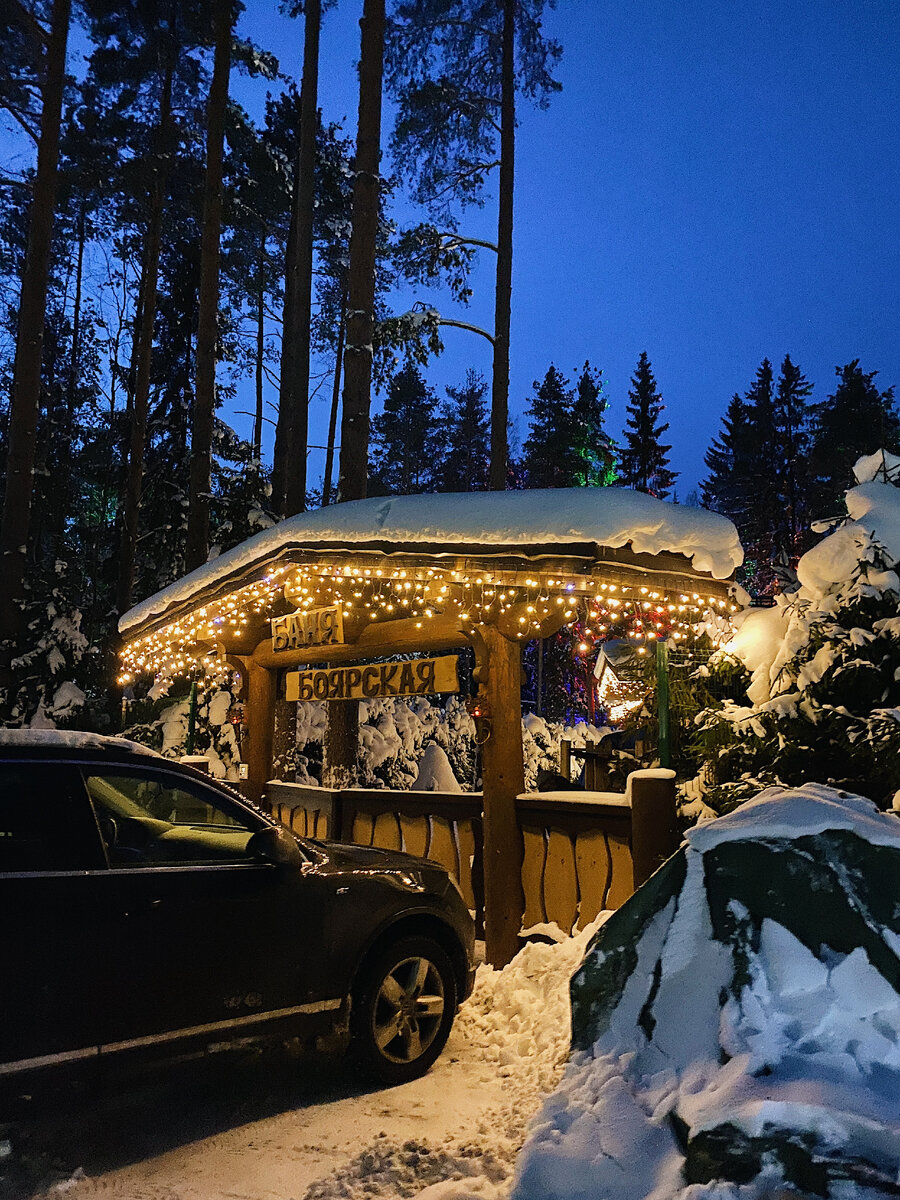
[(260, 729), (376, 640)]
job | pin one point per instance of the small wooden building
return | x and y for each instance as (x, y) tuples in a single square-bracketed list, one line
[(310, 609)]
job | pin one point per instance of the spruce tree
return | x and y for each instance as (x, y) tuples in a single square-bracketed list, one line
[(856, 419), (592, 446), (644, 460), (792, 422), (548, 459), (566, 444), (405, 437), (764, 514), (466, 451)]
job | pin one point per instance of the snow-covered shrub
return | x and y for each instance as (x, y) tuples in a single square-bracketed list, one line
[(395, 733), (824, 697), (165, 728)]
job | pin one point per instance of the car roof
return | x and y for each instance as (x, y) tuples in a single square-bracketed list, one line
[(57, 743)]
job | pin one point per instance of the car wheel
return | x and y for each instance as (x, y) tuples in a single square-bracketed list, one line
[(403, 1009)]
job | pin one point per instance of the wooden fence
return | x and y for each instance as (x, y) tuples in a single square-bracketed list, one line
[(583, 852)]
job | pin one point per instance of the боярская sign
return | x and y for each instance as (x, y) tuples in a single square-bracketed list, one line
[(416, 677)]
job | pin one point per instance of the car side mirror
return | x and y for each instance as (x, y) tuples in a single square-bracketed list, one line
[(275, 845)]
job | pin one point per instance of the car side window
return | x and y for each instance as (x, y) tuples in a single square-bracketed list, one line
[(149, 819), (46, 823)]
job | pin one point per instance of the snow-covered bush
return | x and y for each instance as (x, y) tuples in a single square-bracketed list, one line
[(824, 697), (165, 728), (395, 734)]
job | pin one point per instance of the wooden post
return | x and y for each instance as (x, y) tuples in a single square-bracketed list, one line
[(261, 729), (503, 774), (284, 741), (654, 828), (341, 744)]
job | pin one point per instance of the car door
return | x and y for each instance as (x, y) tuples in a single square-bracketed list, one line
[(54, 916), (209, 935)]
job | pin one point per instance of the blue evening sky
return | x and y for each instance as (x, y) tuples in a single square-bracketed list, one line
[(716, 183)]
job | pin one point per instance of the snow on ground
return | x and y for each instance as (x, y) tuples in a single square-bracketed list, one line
[(736, 1026), (452, 1135)]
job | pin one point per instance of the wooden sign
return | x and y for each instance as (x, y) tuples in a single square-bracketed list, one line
[(313, 627), (416, 677)]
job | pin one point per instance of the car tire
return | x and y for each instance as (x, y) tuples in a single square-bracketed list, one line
[(403, 1009)]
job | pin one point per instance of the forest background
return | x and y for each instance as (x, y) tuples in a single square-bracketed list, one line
[(129, 360)]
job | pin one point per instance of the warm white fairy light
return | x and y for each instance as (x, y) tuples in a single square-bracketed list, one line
[(421, 593)]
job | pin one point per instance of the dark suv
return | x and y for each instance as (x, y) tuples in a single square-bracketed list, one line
[(148, 909)]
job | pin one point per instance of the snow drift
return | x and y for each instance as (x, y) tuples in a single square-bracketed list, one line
[(736, 1024)]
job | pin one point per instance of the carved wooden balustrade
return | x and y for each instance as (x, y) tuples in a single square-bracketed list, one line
[(584, 852)]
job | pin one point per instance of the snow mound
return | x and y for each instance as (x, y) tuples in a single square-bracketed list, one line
[(736, 1024), (515, 1025), (530, 521), (435, 773)]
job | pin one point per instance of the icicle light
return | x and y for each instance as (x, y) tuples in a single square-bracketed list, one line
[(197, 642)]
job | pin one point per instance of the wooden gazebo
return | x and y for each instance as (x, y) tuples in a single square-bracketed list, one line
[(311, 608)]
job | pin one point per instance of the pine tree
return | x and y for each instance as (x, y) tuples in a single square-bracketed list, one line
[(455, 68), (360, 327), (856, 419), (644, 463), (405, 437), (204, 406), (466, 437), (289, 469), (48, 66)]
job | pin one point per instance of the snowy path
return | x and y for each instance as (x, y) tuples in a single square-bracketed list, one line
[(455, 1132)]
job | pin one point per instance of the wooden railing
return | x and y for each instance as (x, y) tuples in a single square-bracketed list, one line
[(445, 826), (577, 857), (583, 852)]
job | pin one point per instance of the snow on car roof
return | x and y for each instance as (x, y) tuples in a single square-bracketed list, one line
[(530, 522), (70, 739)]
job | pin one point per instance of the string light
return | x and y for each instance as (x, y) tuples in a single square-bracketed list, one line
[(197, 642)]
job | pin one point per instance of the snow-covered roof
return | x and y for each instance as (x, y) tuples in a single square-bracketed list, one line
[(529, 524)]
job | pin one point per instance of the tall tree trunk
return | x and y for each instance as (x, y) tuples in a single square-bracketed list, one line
[(503, 297), (335, 400), (76, 319), (354, 459), (289, 467), (204, 406), (26, 388), (342, 730), (260, 346), (134, 469)]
